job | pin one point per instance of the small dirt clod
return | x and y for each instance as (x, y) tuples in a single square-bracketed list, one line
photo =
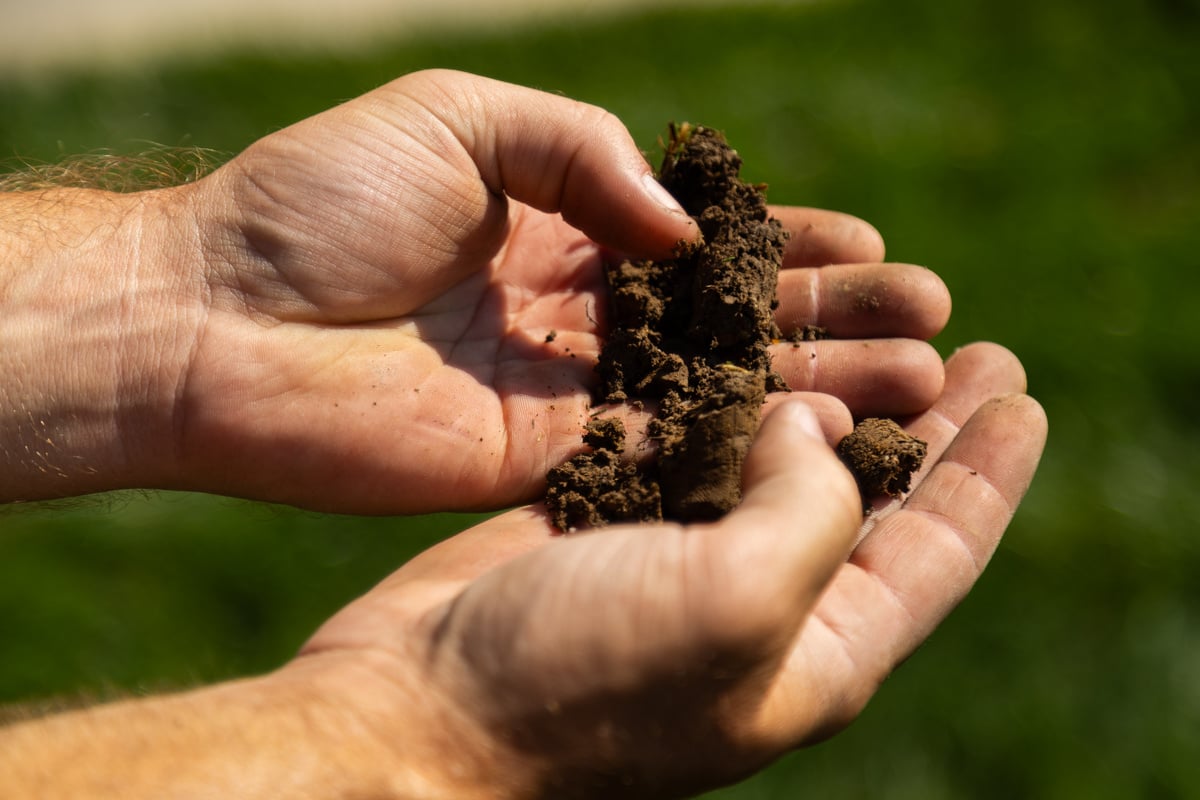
[(882, 457)]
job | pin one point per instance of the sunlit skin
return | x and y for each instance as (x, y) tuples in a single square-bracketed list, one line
[(453, 292), (353, 315), (384, 268)]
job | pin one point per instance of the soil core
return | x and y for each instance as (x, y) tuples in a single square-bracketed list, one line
[(882, 457), (691, 335)]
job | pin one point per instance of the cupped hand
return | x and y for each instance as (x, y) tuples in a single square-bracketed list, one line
[(403, 296), (656, 661)]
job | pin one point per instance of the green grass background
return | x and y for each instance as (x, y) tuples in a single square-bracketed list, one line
[(1041, 155)]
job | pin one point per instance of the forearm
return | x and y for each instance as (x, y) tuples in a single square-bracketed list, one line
[(94, 307), (271, 737)]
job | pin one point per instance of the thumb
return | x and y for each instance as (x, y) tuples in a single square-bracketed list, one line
[(560, 155), (602, 614), (770, 559)]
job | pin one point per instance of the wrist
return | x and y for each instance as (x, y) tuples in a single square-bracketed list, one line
[(401, 731), (279, 736), (95, 311)]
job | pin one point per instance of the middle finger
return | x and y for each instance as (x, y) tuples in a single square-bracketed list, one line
[(859, 301)]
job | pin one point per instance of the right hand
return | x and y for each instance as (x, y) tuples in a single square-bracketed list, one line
[(661, 660)]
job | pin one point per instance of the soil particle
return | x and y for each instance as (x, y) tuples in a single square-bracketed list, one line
[(808, 333), (867, 302), (882, 456)]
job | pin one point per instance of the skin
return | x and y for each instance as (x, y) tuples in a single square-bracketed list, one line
[(351, 315), (395, 258)]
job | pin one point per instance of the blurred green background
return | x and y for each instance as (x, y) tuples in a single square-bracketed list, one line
[(1043, 156)]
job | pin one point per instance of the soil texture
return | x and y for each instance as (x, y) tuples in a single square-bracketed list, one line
[(882, 456), (691, 336)]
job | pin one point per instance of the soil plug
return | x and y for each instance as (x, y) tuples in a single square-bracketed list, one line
[(882, 457)]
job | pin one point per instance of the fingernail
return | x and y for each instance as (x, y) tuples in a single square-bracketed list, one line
[(660, 195), (803, 419)]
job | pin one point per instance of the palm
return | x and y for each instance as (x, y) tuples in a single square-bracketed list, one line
[(460, 403), (510, 355)]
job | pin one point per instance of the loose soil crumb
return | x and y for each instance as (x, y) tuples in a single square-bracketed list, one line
[(601, 486), (808, 333), (691, 334), (882, 456)]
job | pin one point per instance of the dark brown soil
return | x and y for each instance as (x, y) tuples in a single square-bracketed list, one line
[(882, 456), (690, 334), (601, 486)]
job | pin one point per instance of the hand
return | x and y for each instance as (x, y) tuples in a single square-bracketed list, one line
[(353, 314), (660, 661), (382, 280)]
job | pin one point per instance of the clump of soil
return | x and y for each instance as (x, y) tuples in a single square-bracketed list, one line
[(882, 456), (692, 335), (601, 486)]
